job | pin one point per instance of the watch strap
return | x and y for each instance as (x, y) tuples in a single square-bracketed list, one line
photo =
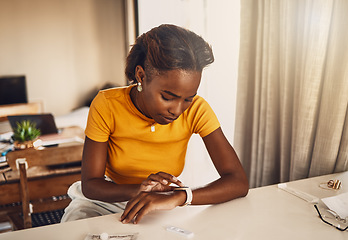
[(188, 195)]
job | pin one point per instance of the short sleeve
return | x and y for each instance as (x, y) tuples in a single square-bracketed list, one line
[(99, 119), (202, 117)]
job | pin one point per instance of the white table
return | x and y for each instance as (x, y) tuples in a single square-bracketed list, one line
[(266, 213)]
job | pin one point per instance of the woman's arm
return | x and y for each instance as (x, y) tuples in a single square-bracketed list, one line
[(95, 187), (232, 183), (92, 175)]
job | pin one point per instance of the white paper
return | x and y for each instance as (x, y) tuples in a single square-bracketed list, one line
[(128, 236), (338, 204)]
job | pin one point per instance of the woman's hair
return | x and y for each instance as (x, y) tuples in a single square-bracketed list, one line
[(168, 47)]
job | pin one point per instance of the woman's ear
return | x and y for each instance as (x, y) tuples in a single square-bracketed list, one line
[(139, 73)]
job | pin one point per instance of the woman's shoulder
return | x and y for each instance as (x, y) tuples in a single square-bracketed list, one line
[(111, 96), (198, 107), (198, 102), (115, 92), (201, 117)]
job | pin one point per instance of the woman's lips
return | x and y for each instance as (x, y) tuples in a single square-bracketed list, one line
[(168, 119)]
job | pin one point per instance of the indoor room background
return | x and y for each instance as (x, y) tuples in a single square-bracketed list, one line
[(67, 49), (289, 119)]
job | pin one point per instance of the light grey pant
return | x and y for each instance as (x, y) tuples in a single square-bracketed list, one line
[(81, 207)]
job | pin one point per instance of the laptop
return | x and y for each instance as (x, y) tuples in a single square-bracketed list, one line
[(44, 122)]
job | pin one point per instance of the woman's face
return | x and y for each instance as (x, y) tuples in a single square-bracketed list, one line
[(167, 95)]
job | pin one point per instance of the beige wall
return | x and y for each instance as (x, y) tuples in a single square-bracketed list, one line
[(66, 48)]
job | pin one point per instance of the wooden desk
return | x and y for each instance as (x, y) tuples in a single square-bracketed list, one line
[(266, 213), (57, 178), (61, 167), (62, 156)]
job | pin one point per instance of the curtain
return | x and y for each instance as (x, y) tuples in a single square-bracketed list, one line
[(292, 94)]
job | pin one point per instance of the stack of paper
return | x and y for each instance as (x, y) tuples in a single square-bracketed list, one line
[(338, 204)]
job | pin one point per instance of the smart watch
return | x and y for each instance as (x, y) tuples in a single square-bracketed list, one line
[(188, 195)]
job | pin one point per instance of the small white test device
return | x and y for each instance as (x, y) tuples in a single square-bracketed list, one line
[(180, 231)]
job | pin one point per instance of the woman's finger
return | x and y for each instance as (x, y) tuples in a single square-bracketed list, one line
[(148, 202), (165, 178), (142, 212), (138, 206), (157, 178), (147, 185), (130, 205)]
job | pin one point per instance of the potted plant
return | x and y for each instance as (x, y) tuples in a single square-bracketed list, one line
[(25, 134)]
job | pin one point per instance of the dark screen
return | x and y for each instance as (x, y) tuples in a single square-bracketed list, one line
[(13, 89)]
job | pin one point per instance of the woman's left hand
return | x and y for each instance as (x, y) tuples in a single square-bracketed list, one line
[(146, 202), (159, 182)]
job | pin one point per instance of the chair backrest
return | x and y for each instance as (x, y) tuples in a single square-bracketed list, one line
[(23, 159), (46, 157)]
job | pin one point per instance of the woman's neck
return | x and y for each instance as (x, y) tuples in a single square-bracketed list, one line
[(137, 100)]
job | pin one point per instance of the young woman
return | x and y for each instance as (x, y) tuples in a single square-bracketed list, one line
[(137, 136)]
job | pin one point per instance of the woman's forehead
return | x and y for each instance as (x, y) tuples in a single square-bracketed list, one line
[(179, 82)]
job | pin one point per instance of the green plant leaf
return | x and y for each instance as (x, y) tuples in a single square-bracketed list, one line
[(25, 131)]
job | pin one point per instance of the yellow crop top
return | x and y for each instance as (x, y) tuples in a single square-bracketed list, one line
[(134, 151)]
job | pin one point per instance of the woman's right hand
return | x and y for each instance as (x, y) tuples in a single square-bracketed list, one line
[(160, 182)]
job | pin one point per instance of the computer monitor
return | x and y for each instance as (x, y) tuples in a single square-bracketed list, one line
[(44, 122), (13, 89)]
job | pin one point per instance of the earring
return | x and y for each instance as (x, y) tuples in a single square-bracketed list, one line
[(139, 87)]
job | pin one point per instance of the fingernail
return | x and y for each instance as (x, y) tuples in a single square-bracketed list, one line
[(174, 178), (165, 181)]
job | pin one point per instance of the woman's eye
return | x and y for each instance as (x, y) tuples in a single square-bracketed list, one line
[(188, 100), (164, 98)]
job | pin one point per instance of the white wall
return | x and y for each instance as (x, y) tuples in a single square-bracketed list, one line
[(66, 48), (218, 23)]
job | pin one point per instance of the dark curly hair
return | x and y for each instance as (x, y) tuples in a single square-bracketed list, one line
[(168, 47)]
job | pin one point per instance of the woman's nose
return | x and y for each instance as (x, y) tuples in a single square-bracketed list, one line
[(176, 109)]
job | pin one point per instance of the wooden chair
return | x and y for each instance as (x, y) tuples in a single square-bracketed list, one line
[(58, 179), (33, 181), (6, 110)]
